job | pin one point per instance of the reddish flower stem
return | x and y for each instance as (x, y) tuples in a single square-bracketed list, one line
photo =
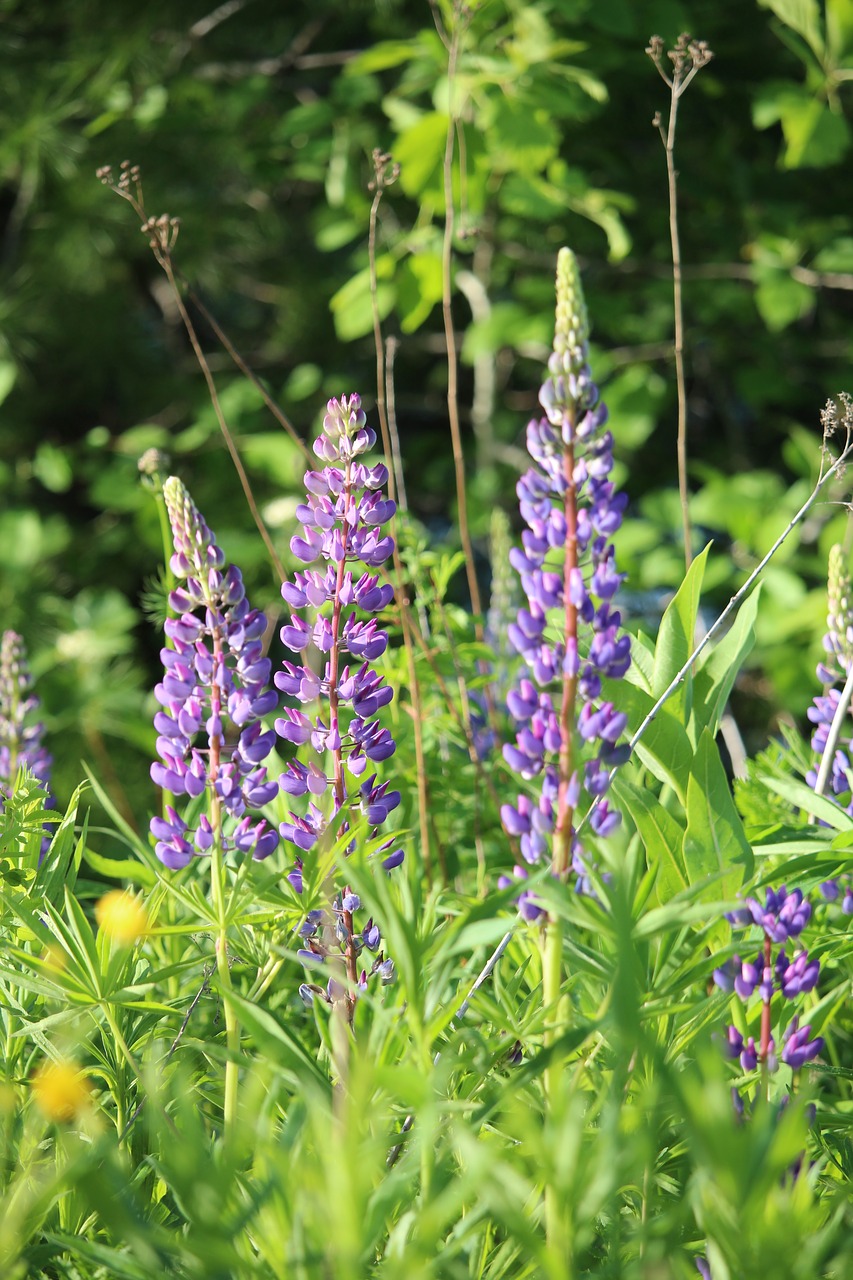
[(350, 956), (764, 1047), (565, 811)]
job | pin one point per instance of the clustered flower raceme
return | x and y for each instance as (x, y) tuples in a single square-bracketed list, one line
[(20, 735), (344, 546), (782, 918), (832, 673), (214, 693), (568, 632)]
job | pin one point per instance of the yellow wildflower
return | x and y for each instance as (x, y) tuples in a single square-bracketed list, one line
[(61, 1090), (121, 916)]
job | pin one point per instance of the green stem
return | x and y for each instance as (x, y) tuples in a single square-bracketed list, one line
[(232, 1027), (217, 884), (557, 1233)]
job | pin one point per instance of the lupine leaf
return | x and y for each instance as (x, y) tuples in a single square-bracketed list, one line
[(718, 671), (715, 849), (664, 748), (677, 640), (661, 833)]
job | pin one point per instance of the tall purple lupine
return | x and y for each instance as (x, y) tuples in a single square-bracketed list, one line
[(20, 735), (782, 917), (214, 693), (343, 739), (568, 631)]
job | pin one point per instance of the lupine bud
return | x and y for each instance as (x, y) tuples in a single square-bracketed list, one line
[(20, 735)]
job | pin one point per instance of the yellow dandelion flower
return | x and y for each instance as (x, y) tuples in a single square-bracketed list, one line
[(61, 1090), (121, 916)]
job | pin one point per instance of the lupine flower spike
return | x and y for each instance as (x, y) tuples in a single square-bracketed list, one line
[(831, 709), (20, 735), (333, 625), (568, 631), (782, 917), (213, 695)]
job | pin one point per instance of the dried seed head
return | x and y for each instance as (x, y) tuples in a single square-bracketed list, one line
[(153, 462)]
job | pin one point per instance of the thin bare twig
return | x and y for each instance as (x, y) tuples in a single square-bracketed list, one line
[(385, 172), (459, 15), (170, 1051), (687, 58), (246, 370), (162, 232)]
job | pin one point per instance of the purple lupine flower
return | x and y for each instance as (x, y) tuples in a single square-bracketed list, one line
[(341, 532), (798, 976), (21, 737), (213, 696), (833, 672), (797, 1048), (741, 976), (736, 1047), (567, 735), (784, 914)]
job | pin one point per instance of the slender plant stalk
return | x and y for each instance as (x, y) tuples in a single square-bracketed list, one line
[(687, 58), (473, 756), (452, 45), (220, 417), (249, 373), (162, 233), (834, 734), (217, 879), (391, 345), (385, 173)]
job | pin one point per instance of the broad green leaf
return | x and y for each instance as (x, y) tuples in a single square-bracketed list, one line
[(715, 847), (8, 377), (677, 639), (419, 151), (802, 16), (641, 670), (352, 305), (718, 667), (120, 869), (419, 288), (521, 139), (839, 27), (664, 748), (815, 136), (661, 833), (383, 56)]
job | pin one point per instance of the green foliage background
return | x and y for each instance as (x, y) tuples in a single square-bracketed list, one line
[(254, 122)]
